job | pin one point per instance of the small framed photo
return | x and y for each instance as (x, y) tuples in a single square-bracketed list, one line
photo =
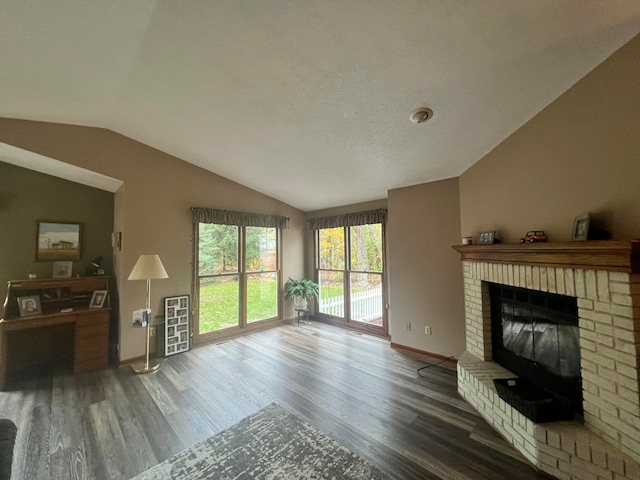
[(486, 238), (29, 305), (176, 321), (580, 229), (98, 298), (62, 269)]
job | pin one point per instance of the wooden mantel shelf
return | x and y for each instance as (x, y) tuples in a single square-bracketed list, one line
[(611, 255)]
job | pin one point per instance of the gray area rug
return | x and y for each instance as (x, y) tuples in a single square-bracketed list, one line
[(270, 444)]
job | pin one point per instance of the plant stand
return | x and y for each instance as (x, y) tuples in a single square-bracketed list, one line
[(302, 313)]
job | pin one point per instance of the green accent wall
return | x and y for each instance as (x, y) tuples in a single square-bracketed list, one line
[(27, 196)]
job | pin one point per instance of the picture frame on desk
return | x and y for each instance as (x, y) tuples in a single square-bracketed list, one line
[(58, 240), (29, 305), (98, 298), (62, 269)]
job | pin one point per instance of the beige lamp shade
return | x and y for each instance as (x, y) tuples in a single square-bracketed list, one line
[(148, 267)]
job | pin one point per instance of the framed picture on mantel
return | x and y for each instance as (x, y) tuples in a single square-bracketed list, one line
[(580, 229)]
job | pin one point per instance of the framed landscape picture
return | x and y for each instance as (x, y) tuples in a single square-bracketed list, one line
[(58, 240), (176, 324)]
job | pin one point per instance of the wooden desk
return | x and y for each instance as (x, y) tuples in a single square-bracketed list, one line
[(80, 336)]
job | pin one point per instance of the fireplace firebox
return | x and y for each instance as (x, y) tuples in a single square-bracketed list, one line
[(536, 335)]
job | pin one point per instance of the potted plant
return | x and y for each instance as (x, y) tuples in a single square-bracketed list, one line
[(300, 291)]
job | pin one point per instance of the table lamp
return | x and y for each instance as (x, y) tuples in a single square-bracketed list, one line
[(148, 267)]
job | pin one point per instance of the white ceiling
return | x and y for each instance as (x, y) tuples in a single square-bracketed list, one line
[(305, 101)]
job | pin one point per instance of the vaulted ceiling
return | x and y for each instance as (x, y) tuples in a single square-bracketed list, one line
[(305, 101)]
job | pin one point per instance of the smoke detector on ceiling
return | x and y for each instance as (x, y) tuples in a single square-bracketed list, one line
[(421, 115)]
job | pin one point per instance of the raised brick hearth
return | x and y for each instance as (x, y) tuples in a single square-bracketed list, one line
[(607, 287)]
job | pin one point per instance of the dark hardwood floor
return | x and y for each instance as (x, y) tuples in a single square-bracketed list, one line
[(353, 387)]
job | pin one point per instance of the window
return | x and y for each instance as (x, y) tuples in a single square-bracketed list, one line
[(238, 272), (350, 270)]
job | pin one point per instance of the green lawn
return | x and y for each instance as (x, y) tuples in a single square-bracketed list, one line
[(219, 303)]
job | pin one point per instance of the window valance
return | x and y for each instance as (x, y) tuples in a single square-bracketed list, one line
[(349, 219), (242, 219)]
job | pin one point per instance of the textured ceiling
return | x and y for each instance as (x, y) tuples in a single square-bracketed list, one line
[(305, 101)]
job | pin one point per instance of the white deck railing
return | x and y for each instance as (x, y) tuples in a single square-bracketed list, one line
[(366, 305)]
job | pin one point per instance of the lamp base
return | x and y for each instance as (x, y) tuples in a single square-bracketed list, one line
[(142, 367)]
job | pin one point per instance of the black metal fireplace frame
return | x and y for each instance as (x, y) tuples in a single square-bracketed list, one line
[(566, 389)]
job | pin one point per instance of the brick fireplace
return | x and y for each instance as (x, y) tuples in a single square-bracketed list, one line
[(604, 276)]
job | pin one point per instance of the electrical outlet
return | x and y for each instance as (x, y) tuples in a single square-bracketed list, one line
[(407, 326), (152, 331), (427, 330)]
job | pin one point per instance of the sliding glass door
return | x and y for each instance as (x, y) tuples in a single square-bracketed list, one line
[(350, 271), (237, 277)]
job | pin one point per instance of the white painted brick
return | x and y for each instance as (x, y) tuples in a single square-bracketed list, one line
[(596, 316), (535, 277), (629, 394), (590, 284), (602, 380), (617, 356), (544, 283), (560, 281), (605, 365), (602, 280), (587, 324), (569, 282), (630, 446), (581, 289), (615, 463), (618, 425), (551, 280), (604, 329), (549, 460), (631, 469), (528, 277), (567, 444), (621, 299), (599, 457), (622, 277), (626, 347), (590, 364), (625, 323), (523, 276), (610, 357), (586, 470), (615, 287), (585, 304), (605, 340), (583, 451)]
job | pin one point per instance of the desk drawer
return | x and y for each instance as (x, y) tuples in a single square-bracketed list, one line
[(94, 329), (91, 352)]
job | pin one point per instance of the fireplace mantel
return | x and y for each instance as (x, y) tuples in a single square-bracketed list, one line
[(610, 255)]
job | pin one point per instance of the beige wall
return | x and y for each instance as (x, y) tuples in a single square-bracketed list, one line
[(152, 208), (580, 154), (425, 276)]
